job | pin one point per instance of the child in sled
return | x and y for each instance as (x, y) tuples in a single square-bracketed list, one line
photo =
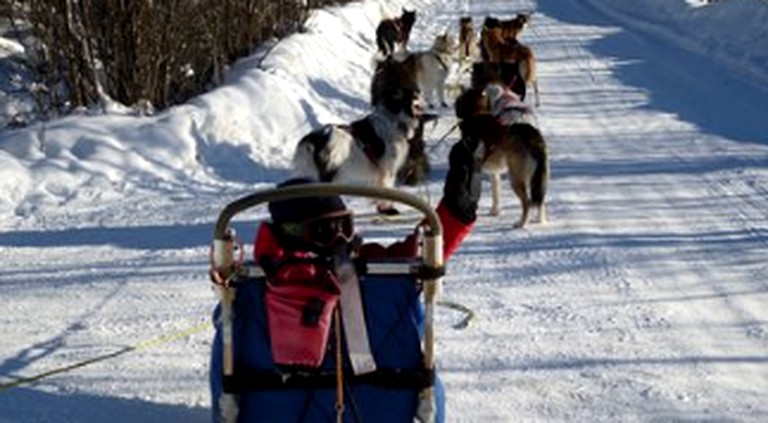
[(307, 252)]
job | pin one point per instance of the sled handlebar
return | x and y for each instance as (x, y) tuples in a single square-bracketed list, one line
[(434, 228), (223, 263)]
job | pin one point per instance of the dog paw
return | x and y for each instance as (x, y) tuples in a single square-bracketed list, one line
[(521, 224), (494, 212)]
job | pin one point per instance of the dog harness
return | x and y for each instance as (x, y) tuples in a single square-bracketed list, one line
[(370, 142), (506, 106), (441, 61), (398, 23)]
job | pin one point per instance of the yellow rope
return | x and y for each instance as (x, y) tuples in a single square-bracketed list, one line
[(150, 343), (174, 336)]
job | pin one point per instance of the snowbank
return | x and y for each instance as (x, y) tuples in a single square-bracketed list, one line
[(230, 135), (732, 32)]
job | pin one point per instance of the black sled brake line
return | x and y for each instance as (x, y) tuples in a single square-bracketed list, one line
[(469, 314)]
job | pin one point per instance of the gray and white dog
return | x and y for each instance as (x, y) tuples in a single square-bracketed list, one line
[(433, 67)]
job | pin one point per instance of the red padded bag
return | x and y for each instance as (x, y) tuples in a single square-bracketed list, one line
[(300, 314)]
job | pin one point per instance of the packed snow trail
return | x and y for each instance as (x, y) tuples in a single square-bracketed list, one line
[(644, 299), (632, 303)]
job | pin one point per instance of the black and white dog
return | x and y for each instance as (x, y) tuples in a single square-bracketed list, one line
[(392, 34), (371, 150)]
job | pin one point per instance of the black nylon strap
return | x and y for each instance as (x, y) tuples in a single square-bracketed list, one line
[(250, 380)]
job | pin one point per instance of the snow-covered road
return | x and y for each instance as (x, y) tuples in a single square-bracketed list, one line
[(644, 299)]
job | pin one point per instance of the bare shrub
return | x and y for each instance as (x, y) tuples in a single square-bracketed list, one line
[(160, 52)]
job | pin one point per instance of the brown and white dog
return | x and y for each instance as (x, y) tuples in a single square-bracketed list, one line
[(510, 143), (371, 150), (517, 60), (511, 28), (392, 34), (520, 150)]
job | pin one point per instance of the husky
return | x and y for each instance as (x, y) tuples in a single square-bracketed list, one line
[(511, 28), (391, 72), (416, 168), (518, 149), (392, 34), (432, 68), (403, 69), (468, 50), (369, 151), (510, 143), (517, 60)]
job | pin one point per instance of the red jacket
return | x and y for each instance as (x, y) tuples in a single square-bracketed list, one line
[(300, 288)]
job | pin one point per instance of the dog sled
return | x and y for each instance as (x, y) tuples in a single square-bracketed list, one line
[(397, 298)]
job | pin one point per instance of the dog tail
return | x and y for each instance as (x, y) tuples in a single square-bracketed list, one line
[(540, 177), (308, 160), (540, 180), (536, 145)]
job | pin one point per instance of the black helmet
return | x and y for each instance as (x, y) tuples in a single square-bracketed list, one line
[(319, 224)]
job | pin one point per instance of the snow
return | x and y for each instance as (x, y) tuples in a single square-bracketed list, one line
[(644, 299)]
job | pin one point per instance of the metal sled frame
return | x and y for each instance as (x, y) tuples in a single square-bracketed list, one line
[(225, 266)]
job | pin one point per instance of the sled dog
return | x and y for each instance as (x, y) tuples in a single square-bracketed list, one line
[(371, 150), (509, 51), (467, 40), (391, 72), (416, 168), (518, 149), (403, 69), (494, 115), (392, 34), (511, 28), (432, 68)]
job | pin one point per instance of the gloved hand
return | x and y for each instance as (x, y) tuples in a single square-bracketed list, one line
[(462, 188)]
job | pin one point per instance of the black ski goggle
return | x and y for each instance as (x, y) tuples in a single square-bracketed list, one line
[(324, 231)]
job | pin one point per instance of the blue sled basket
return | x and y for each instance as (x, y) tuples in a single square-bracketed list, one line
[(398, 299)]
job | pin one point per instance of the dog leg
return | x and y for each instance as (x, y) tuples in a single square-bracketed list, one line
[(522, 193), (386, 180), (441, 92), (542, 216), (536, 92), (496, 193)]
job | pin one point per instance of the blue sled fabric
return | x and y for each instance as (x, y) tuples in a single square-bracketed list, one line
[(394, 316)]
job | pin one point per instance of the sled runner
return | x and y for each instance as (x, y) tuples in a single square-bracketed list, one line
[(391, 378)]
